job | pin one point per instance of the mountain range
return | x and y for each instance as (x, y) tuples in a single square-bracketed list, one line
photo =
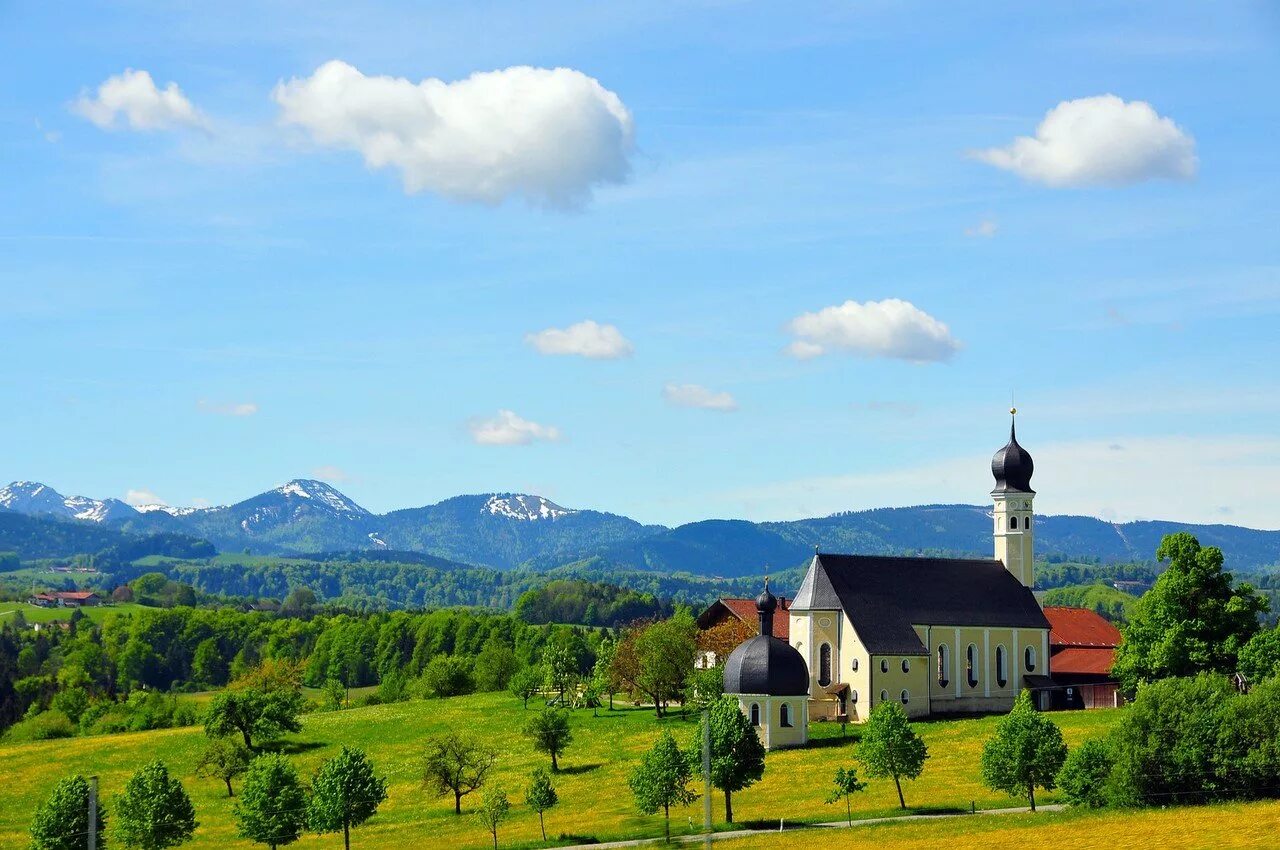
[(510, 530)]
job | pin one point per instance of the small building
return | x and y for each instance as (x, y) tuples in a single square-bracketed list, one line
[(66, 599), (1082, 646), (771, 682), (735, 608)]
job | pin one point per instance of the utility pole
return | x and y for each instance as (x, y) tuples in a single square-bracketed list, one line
[(93, 813), (707, 777)]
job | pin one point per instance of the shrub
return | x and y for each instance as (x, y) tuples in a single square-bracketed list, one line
[(45, 726), (1085, 775)]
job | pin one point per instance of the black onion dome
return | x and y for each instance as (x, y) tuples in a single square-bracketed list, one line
[(1012, 466), (766, 665), (766, 601)]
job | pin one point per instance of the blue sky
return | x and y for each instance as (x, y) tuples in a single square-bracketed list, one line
[(277, 271)]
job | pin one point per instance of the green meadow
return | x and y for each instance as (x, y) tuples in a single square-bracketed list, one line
[(38, 614), (596, 804)]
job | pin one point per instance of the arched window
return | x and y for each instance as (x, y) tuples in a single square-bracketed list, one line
[(906, 697), (971, 665), (884, 696), (906, 665), (855, 665), (786, 714), (884, 665), (1013, 523), (1002, 674), (1026, 522), (755, 714), (1029, 657), (853, 696), (824, 665), (944, 668)]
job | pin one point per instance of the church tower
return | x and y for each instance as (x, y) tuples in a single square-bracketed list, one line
[(1014, 535)]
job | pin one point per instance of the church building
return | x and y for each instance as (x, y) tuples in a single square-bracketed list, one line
[(937, 635)]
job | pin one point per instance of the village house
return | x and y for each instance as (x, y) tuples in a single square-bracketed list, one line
[(1082, 650), (65, 599)]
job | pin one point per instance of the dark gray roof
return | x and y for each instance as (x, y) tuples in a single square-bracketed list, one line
[(816, 592), (884, 597), (1012, 467), (766, 665)]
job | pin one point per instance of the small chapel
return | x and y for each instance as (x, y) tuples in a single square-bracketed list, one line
[(937, 635)]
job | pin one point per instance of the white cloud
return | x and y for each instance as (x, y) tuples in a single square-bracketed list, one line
[(142, 497), (330, 473), (508, 429), (1184, 479), (985, 228), (585, 339), (548, 135), (695, 395), (133, 97), (244, 408), (1099, 141), (891, 328)]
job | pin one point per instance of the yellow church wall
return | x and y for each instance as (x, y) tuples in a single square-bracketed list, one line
[(987, 694), (892, 675)]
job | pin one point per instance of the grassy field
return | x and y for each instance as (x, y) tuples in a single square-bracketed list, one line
[(595, 800), (1185, 828), (36, 614)]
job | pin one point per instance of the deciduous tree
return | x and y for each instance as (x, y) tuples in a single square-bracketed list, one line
[(1026, 752), (456, 764), (345, 793), (62, 821), (1085, 773), (494, 808), (846, 785), (272, 808), (891, 748), (223, 758), (540, 796), (661, 779), (550, 733), (737, 756), (154, 811), (526, 682)]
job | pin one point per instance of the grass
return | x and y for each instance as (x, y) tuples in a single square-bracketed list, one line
[(1184, 828), (595, 800), (37, 614)]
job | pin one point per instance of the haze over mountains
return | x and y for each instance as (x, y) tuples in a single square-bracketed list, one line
[(506, 530)]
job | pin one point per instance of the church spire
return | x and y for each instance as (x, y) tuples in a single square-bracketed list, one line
[(1012, 467), (766, 604)]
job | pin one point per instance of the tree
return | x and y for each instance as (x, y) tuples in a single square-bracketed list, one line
[(153, 812), (891, 748), (1192, 620), (737, 756), (272, 808), (724, 637), (495, 665), (223, 758), (1260, 657), (560, 664), (540, 796), (550, 733), (334, 694), (494, 808), (705, 687), (846, 785), (456, 764), (1026, 751), (1085, 774), (661, 779), (208, 666), (345, 792), (447, 676), (526, 682), (660, 658), (601, 673), (254, 713), (62, 821)]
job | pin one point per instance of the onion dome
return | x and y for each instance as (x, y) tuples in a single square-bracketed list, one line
[(1012, 465), (765, 664)]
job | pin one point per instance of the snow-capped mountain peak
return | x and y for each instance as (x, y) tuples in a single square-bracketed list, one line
[(32, 497), (321, 493), (516, 506)]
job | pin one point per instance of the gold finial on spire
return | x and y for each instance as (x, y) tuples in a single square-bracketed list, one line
[(1013, 411)]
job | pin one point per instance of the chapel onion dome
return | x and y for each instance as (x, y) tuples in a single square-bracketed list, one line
[(1012, 465), (765, 664)]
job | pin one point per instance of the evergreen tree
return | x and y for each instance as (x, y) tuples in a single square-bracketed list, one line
[(62, 821), (154, 811), (737, 756), (272, 808), (540, 796), (661, 779), (846, 785), (550, 733), (891, 748), (345, 793), (1026, 752)]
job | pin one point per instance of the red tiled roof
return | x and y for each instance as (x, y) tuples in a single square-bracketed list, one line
[(745, 610), (1079, 627), (1079, 660), (74, 594)]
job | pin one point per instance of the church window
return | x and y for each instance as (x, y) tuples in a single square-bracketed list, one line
[(853, 696), (755, 714), (906, 697), (1030, 658), (1013, 523), (786, 714), (1002, 674), (855, 665), (824, 665), (906, 665), (943, 666), (884, 696), (884, 665), (1026, 522), (971, 665)]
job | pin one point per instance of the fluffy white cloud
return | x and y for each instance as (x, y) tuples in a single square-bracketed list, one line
[(142, 497), (585, 339), (134, 97), (1099, 141), (243, 408), (890, 328), (548, 135), (695, 395), (985, 228), (330, 473), (508, 429)]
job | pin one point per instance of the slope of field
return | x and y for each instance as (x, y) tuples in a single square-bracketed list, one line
[(37, 614), (595, 800)]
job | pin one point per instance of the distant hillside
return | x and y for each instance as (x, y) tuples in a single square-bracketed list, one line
[(36, 537)]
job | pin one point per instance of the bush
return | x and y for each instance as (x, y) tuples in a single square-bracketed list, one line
[(45, 726), (447, 676), (1085, 775)]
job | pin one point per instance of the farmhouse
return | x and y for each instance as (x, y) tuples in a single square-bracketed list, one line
[(1082, 649), (65, 599)]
